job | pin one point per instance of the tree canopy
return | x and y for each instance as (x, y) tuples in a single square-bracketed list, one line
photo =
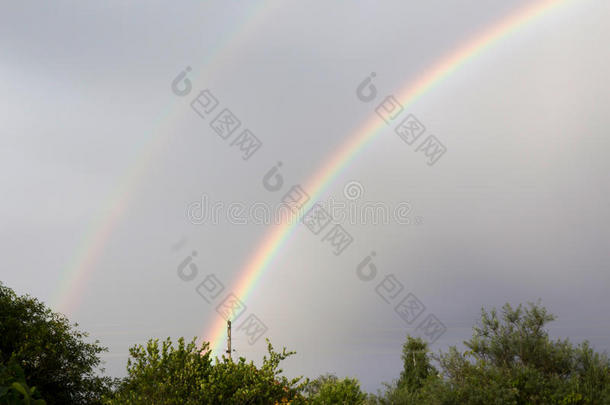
[(330, 389), (164, 373), (53, 355), (510, 359)]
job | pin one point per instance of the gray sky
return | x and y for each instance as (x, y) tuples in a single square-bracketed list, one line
[(515, 210)]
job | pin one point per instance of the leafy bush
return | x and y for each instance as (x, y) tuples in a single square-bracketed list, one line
[(185, 374)]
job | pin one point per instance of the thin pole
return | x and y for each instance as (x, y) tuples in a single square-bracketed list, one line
[(229, 339)]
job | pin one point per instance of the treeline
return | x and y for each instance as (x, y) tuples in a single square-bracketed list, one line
[(510, 359)]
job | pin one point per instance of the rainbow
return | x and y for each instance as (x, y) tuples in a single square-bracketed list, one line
[(79, 269), (371, 128)]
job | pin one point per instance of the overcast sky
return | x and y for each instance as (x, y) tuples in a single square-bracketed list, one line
[(98, 155)]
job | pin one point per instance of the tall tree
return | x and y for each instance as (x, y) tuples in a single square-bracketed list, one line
[(416, 373), (54, 355), (416, 364)]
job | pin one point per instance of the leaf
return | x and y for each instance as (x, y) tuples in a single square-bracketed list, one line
[(20, 388)]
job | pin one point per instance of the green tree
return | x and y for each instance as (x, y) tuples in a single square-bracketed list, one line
[(186, 374), (416, 364), (53, 354), (510, 359), (417, 371), (163, 374), (329, 389)]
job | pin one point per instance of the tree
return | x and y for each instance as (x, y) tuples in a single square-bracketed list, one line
[(416, 364), (329, 389), (186, 374), (417, 372), (162, 374), (510, 359), (53, 354)]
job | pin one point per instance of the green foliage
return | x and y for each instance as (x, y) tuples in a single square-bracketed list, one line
[(417, 372), (510, 360), (53, 354), (312, 387), (243, 383), (416, 364), (329, 389), (13, 387), (164, 374), (185, 374)]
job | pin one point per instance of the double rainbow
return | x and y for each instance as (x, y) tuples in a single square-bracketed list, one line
[(272, 243), (75, 277)]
